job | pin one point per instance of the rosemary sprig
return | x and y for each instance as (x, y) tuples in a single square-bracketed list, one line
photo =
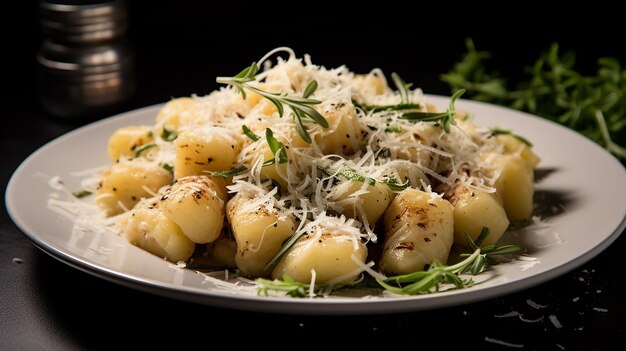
[(445, 119), (287, 244), (272, 142), (393, 128), (228, 173), (395, 186), (142, 148), (82, 193), (276, 147), (300, 106), (169, 134), (351, 174), (310, 89), (167, 167), (249, 133), (380, 108), (594, 105), (403, 88), (424, 282), (288, 285)]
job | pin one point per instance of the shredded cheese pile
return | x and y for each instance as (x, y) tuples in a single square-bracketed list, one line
[(386, 147)]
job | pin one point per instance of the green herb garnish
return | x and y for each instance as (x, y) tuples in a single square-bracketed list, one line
[(403, 88), (288, 285), (81, 193), (143, 148), (300, 106), (445, 119), (310, 89), (352, 175), (594, 105), (228, 173), (249, 133), (395, 186), (287, 244), (167, 167), (276, 147), (393, 128), (398, 107), (429, 281), (169, 134)]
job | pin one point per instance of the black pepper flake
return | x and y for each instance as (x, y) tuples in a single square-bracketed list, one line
[(427, 240), (421, 225), (210, 159)]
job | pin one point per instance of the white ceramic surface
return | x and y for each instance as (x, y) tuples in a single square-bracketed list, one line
[(581, 185)]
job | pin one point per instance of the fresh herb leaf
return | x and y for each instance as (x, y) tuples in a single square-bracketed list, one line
[(288, 285), (169, 134), (445, 119), (403, 88), (304, 134), (398, 107), (276, 147), (300, 106), (228, 173), (474, 244), (82, 193), (167, 167), (393, 128), (395, 186), (594, 105), (310, 89), (423, 282), (352, 175), (287, 244), (143, 148), (249, 133)]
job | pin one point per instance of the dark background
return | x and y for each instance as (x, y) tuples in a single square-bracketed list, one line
[(180, 48)]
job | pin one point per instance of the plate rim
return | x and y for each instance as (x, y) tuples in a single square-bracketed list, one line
[(297, 306)]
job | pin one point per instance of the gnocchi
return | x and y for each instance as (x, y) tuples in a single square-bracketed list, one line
[(125, 183), (420, 230), (313, 173)]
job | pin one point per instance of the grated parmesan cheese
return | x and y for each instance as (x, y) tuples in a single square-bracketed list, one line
[(379, 146)]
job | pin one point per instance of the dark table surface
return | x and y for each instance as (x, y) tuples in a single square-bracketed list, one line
[(45, 304)]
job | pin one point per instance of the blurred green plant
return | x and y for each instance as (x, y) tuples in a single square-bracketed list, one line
[(593, 105)]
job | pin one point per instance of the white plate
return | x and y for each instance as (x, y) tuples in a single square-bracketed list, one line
[(582, 183)]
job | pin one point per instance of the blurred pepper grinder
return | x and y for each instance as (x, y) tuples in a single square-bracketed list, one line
[(85, 63)]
